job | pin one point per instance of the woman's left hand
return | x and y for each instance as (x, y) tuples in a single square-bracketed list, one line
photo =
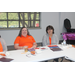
[(34, 46)]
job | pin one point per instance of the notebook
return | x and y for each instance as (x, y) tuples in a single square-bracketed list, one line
[(3, 59), (55, 48)]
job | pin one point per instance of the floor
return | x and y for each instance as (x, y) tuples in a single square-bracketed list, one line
[(64, 60)]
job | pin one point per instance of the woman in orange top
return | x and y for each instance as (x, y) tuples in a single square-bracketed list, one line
[(24, 39), (3, 46)]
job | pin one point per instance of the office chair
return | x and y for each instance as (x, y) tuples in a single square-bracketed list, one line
[(67, 25)]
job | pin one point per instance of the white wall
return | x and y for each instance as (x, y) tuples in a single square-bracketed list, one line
[(64, 15), (71, 17), (47, 18)]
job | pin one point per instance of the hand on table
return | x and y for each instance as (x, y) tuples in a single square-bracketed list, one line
[(34, 47)]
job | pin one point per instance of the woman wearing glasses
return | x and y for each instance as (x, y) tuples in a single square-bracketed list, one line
[(24, 39)]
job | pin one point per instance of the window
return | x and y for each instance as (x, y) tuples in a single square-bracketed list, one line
[(19, 19)]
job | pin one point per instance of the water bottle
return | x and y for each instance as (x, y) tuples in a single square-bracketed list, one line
[(64, 42)]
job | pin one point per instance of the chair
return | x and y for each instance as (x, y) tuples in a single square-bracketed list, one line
[(67, 25)]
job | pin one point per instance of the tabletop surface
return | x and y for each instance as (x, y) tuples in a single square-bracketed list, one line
[(41, 54)]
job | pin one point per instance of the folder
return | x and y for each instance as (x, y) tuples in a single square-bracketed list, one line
[(3, 59), (55, 48)]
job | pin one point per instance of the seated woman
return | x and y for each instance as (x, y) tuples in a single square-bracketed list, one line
[(3, 46), (24, 39), (50, 38)]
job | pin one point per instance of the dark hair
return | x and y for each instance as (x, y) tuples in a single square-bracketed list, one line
[(49, 27), (20, 32)]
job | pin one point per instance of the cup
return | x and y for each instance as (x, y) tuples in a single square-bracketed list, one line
[(26, 48)]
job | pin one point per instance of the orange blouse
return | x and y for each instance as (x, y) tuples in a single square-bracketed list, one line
[(24, 41), (50, 40)]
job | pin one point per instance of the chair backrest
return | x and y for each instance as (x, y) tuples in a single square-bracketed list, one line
[(67, 24)]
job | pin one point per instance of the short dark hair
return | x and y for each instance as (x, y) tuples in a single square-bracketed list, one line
[(49, 27), (20, 32)]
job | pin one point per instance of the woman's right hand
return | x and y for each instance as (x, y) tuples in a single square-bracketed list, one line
[(16, 46)]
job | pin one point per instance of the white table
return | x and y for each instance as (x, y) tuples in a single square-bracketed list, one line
[(68, 52), (46, 54)]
